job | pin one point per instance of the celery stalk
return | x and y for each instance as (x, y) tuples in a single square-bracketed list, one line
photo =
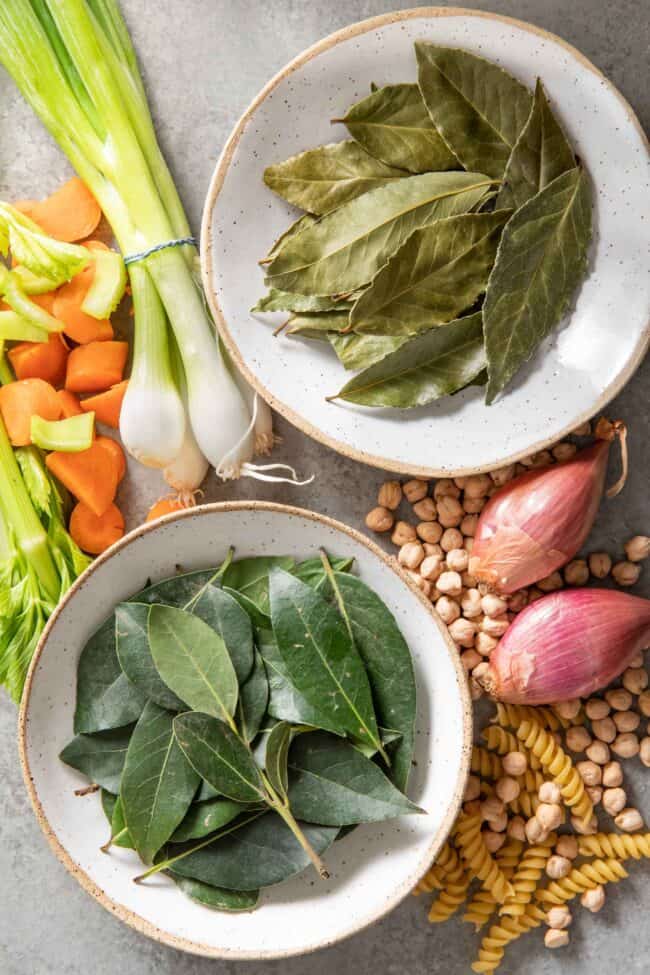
[(71, 435)]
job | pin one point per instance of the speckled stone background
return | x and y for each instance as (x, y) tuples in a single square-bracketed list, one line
[(204, 60)]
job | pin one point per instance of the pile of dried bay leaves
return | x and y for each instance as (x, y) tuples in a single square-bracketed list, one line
[(442, 243)]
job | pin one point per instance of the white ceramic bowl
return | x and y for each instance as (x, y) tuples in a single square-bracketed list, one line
[(577, 370), (372, 869)]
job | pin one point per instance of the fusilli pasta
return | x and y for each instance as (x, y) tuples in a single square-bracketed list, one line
[(500, 935), (454, 894), (527, 876), (478, 859), (512, 715), (580, 879), (621, 846), (483, 905), (501, 741), (485, 763), (557, 764), (434, 879), (527, 801)]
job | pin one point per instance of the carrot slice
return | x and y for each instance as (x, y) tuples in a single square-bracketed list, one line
[(70, 213), (40, 360), (95, 367), (70, 405), (91, 475), (106, 406), (95, 533), (79, 326), (165, 507), (45, 301), (22, 400), (115, 452)]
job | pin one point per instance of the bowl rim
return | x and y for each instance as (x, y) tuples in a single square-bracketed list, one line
[(216, 184), (129, 916)]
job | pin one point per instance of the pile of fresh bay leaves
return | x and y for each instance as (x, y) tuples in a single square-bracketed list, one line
[(442, 243), (238, 720)]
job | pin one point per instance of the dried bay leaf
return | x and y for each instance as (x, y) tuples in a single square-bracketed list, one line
[(360, 351), (541, 258), (423, 369), (477, 107), (289, 301), (317, 326), (437, 273), (322, 179), (307, 220), (393, 124), (540, 154), (345, 249)]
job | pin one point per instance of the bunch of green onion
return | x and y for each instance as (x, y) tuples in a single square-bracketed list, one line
[(74, 62)]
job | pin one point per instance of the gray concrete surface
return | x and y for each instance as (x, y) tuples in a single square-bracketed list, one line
[(203, 61)]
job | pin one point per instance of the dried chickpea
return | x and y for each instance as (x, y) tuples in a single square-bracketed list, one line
[(549, 815), (638, 548), (568, 709), (637, 660), (463, 631), (612, 774), (460, 481), (471, 603), (450, 512), (495, 627), (557, 867), (431, 548), (596, 708), (429, 531), (448, 609), (485, 644), (425, 509), (549, 792), (626, 721), (473, 506), (423, 584), (468, 525), (450, 584), (493, 841), (477, 486), (567, 846), (563, 451), (559, 917), (556, 939), (541, 459), (535, 832), (516, 828), (578, 738), (492, 808), (595, 793), (507, 788), (604, 729), (390, 495), (472, 789), (619, 699), (600, 564), (515, 763), (644, 703), (502, 475), (551, 582), (518, 601), (590, 773), (431, 566), (576, 573), (468, 658), (493, 606), (457, 558), (469, 581), (579, 826), (379, 520), (451, 539), (635, 679), (593, 899), (410, 555), (583, 430), (644, 751), (626, 745), (629, 820), (468, 544), (415, 490), (499, 823), (598, 752), (614, 801), (472, 808), (403, 533), (626, 573), (445, 488)]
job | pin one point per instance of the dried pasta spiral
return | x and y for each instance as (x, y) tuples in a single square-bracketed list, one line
[(527, 876), (483, 905), (454, 894), (580, 879), (485, 763), (501, 741), (500, 935), (512, 715), (434, 879), (557, 764), (527, 801), (478, 858), (621, 846)]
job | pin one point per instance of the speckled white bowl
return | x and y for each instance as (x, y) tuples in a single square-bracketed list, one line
[(577, 370), (372, 869)]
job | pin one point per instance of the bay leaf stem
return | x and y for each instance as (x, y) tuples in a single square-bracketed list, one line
[(281, 807), (113, 839)]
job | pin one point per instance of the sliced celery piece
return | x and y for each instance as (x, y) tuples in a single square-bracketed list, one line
[(107, 288), (15, 328), (70, 435), (32, 284)]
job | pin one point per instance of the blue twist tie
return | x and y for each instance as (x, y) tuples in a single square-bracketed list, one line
[(179, 242)]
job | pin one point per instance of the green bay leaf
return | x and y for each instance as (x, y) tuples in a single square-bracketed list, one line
[(158, 783), (179, 590), (250, 577), (541, 259), (276, 757), (393, 124), (356, 351), (477, 107), (320, 657), (105, 697), (217, 898), (540, 155), (193, 661), (433, 364), (320, 180), (333, 784), (132, 638), (345, 249), (203, 818), (253, 699), (225, 616), (219, 757), (437, 273), (120, 835), (100, 756)]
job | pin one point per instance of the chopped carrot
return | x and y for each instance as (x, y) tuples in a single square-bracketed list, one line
[(107, 406), (165, 506), (70, 213), (95, 367), (40, 360), (22, 400), (95, 533), (79, 326), (115, 452), (90, 476), (45, 301), (70, 405)]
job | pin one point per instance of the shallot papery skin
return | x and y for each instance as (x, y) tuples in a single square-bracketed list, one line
[(537, 522), (566, 645)]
